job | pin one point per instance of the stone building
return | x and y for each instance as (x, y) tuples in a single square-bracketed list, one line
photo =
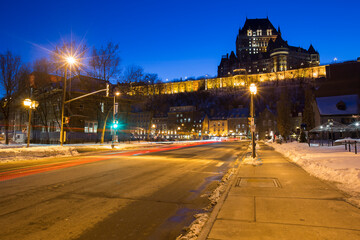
[(238, 122), (260, 48), (84, 118), (184, 121)]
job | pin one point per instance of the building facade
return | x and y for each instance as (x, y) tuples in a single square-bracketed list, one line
[(260, 48)]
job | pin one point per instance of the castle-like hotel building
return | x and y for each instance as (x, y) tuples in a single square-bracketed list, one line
[(260, 48), (261, 55)]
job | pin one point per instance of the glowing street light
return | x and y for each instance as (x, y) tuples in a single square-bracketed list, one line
[(69, 60), (253, 88), (253, 91), (31, 105)]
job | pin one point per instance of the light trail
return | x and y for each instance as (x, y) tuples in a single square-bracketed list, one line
[(26, 171)]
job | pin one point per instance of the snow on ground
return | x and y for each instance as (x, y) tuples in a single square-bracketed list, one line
[(332, 163), (19, 152), (249, 160)]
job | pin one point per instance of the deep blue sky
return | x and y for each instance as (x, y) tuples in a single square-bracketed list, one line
[(177, 38)]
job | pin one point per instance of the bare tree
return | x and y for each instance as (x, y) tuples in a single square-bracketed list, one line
[(43, 65), (9, 78), (44, 95), (133, 74), (150, 79), (105, 62), (133, 77)]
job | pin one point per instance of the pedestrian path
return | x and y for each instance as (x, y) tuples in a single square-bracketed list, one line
[(279, 200)]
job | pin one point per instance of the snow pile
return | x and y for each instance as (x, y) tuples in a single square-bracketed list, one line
[(201, 218), (216, 194), (16, 154), (195, 228), (249, 160), (329, 163), (352, 140)]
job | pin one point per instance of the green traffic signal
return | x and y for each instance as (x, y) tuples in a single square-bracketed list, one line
[(115, 126)]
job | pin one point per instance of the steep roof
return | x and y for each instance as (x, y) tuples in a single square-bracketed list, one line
[(338, 105), (311, 49), (279, 43), (238, 113), (259, 23)]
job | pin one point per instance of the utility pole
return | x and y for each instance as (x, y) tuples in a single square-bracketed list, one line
[(253, 91)]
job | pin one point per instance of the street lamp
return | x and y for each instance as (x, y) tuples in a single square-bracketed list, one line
[(69, 60), (31, 105), (253, 91)]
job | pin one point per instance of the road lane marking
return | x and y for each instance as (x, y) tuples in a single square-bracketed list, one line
[(219, 164)]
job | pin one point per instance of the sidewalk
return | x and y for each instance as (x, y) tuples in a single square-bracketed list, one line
[(279, 200)]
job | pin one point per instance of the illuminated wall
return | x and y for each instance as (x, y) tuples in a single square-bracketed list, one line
[(233, 81)]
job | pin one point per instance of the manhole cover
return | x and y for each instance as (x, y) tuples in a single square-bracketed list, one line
[(258, 182)]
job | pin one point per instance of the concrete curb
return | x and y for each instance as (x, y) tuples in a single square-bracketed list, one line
[(210, 222)]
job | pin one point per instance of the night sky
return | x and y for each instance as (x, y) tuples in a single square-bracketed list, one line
[(176, 38)]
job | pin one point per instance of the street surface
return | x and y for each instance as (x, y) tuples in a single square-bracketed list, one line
[(111, 195)]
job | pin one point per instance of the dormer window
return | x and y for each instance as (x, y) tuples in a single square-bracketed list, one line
[(259, 32), (249, 32), (269, 32)]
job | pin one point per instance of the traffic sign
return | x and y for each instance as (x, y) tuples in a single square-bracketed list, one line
[(252, 128)]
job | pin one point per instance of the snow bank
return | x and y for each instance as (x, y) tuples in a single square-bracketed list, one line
[(329, 163), (201, 218), (16, 154), (251, 161)]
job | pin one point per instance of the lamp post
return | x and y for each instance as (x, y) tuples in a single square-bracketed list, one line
[(31, 105), (69, 60), (114, 121), (253, 91)]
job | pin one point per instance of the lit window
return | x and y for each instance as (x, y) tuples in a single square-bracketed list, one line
[(249, 32), (90, 127)]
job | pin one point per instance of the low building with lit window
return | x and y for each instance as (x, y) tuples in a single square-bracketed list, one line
[(218, 125), (238, 122), (184, 122), (83, 118)]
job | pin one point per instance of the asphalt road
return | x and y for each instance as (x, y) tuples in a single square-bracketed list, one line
[(146, 196)]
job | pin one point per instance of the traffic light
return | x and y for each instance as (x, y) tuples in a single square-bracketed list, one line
[(107, 89), (115, 125), (251, 121)]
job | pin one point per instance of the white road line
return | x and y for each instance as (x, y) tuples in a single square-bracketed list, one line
[(219, 164)]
